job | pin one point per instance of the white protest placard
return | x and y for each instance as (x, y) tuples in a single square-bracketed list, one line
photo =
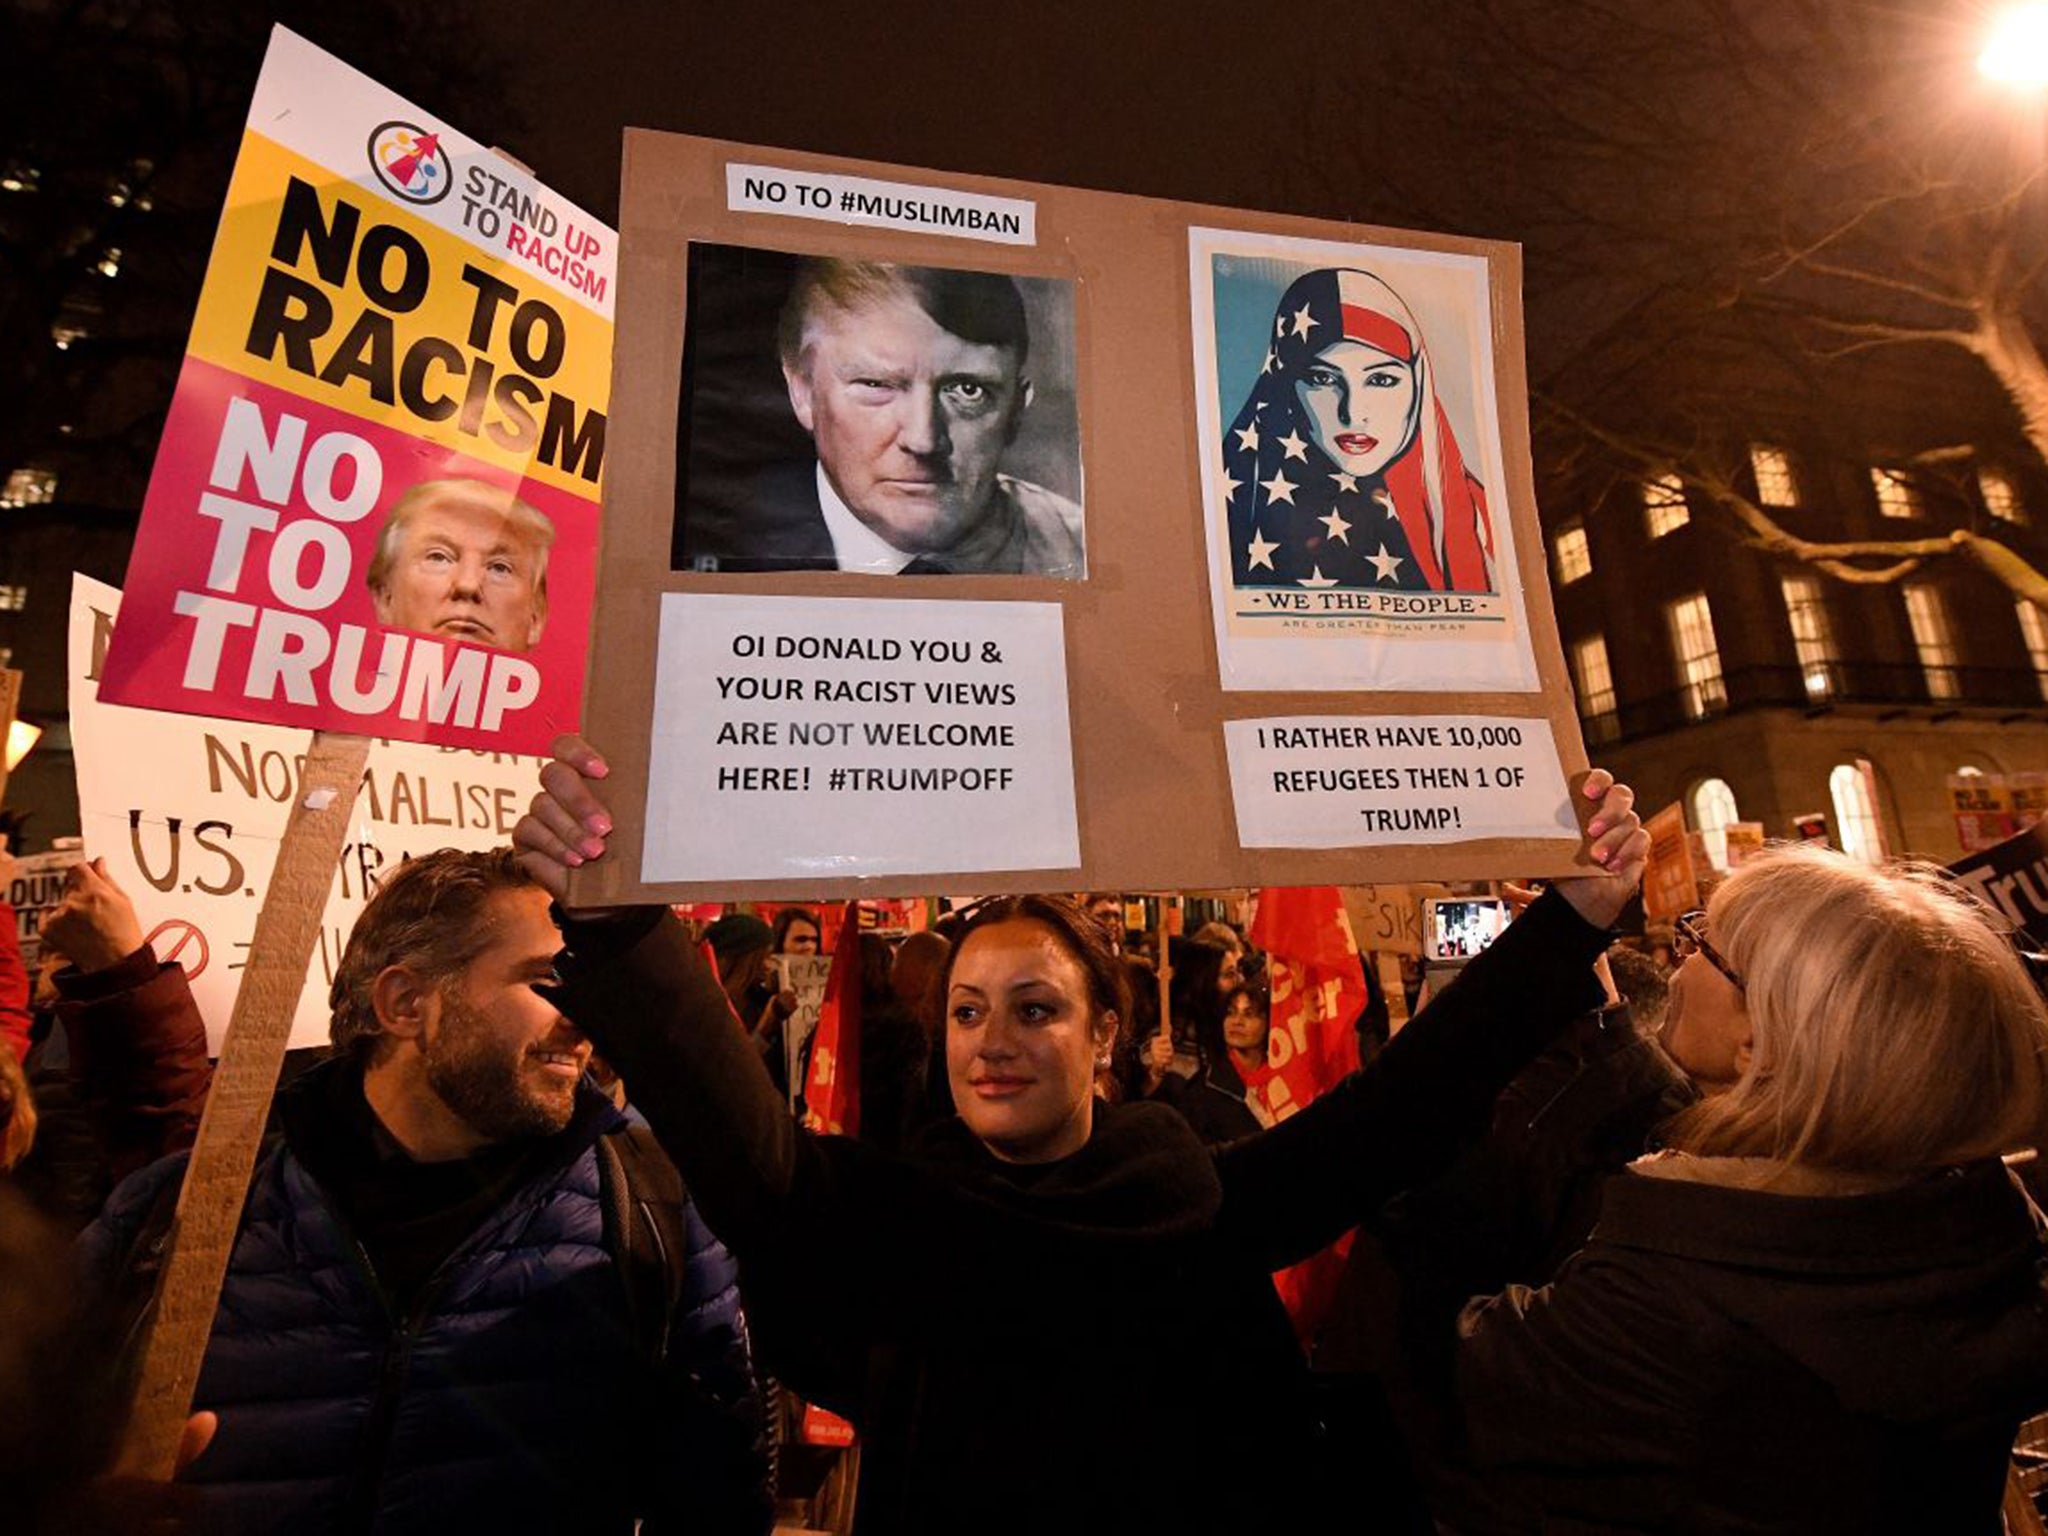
[(805, 975), (35, 884), (811, 737), (1346, 781), (880, 204), (187, 811)]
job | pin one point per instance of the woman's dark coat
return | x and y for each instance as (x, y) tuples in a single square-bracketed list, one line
[(1012, 1343), (1722, 1359)]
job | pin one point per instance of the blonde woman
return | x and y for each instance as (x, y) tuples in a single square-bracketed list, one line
[(1821, 1310)]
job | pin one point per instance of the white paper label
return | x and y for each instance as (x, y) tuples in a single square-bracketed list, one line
[(880, 204), (827, 737), (1352, 781)]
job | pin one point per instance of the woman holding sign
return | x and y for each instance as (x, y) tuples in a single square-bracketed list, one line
[(949, 1300)]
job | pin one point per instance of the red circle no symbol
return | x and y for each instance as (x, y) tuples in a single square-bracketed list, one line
[(177, 937)]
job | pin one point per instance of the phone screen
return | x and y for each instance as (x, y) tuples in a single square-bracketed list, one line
[(1460, 929)]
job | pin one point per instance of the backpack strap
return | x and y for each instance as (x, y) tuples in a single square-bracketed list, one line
[(643, 1195)]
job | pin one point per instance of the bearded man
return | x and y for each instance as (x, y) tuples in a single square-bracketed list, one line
[(463, 1286)]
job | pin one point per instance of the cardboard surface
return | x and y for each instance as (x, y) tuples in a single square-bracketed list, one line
[(1670, 879), (1152, 782)]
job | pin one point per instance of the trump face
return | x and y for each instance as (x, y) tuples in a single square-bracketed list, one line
[(910, 419), (465, 561)]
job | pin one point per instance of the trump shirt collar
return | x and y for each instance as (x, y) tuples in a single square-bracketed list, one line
[(855, 545)]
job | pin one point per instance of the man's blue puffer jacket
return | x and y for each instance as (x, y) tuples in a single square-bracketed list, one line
[(518, 1395)]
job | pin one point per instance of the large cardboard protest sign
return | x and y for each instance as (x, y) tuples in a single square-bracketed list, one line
[(1229, 571), (187, 811), (375, 504)]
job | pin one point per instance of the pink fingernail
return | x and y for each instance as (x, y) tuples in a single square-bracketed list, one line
[(573, 858), (1596, 828), (592, 848), (601, 825)]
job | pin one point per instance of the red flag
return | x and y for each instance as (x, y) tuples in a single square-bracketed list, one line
[(1318, 993), (832, 1082)]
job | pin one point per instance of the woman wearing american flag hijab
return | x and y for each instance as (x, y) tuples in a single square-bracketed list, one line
[(1341, 468)]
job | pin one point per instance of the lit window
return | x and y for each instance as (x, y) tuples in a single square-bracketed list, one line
[(1699, 658), (109, 265), (2001, 495), (1934, 640), (19, 177), (29, 488), (2035, 629), (1713, 813), (1969, 771), (1571, 555), (1664, 505), (1895, 494), (1596, 688), (1855, 816), (1811, 638), (1774, 483), (13, 599), (65, 332)]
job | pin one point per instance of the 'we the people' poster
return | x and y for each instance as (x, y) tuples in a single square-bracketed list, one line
[(375, 504), (1355, 490)]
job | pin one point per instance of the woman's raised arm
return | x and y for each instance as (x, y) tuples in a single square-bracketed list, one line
[(653, 1008), (1430, 1093)]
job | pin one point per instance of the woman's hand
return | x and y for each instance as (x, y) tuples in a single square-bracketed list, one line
[(1157, 1057), (1620, 846), (774, 1012), (566, 826)]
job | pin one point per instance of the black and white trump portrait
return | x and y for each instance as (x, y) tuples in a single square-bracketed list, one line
[(876, 417)]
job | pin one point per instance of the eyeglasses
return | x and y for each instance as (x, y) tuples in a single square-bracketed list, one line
[(1689, 937)]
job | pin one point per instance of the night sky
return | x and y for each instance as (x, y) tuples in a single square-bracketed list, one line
[(1174, 100), (1637, 147)]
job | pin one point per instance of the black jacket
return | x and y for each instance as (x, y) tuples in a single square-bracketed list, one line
[(976, 1320), (1509, 1211), (1213, 1104), (1719, 1359)]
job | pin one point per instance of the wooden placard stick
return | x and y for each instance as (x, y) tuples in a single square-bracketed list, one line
[(1394, 990), (10, 702), (1166, 927), (238, 1104)]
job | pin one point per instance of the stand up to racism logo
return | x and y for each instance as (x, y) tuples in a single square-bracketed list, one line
[(410, 161)]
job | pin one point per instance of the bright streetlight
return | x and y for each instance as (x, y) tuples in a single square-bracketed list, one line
[(2016, 53)]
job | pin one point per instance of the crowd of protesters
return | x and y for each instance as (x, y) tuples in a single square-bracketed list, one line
[(1742, 1243)]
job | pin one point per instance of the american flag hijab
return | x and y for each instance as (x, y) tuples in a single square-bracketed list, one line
[(1297, 519)]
